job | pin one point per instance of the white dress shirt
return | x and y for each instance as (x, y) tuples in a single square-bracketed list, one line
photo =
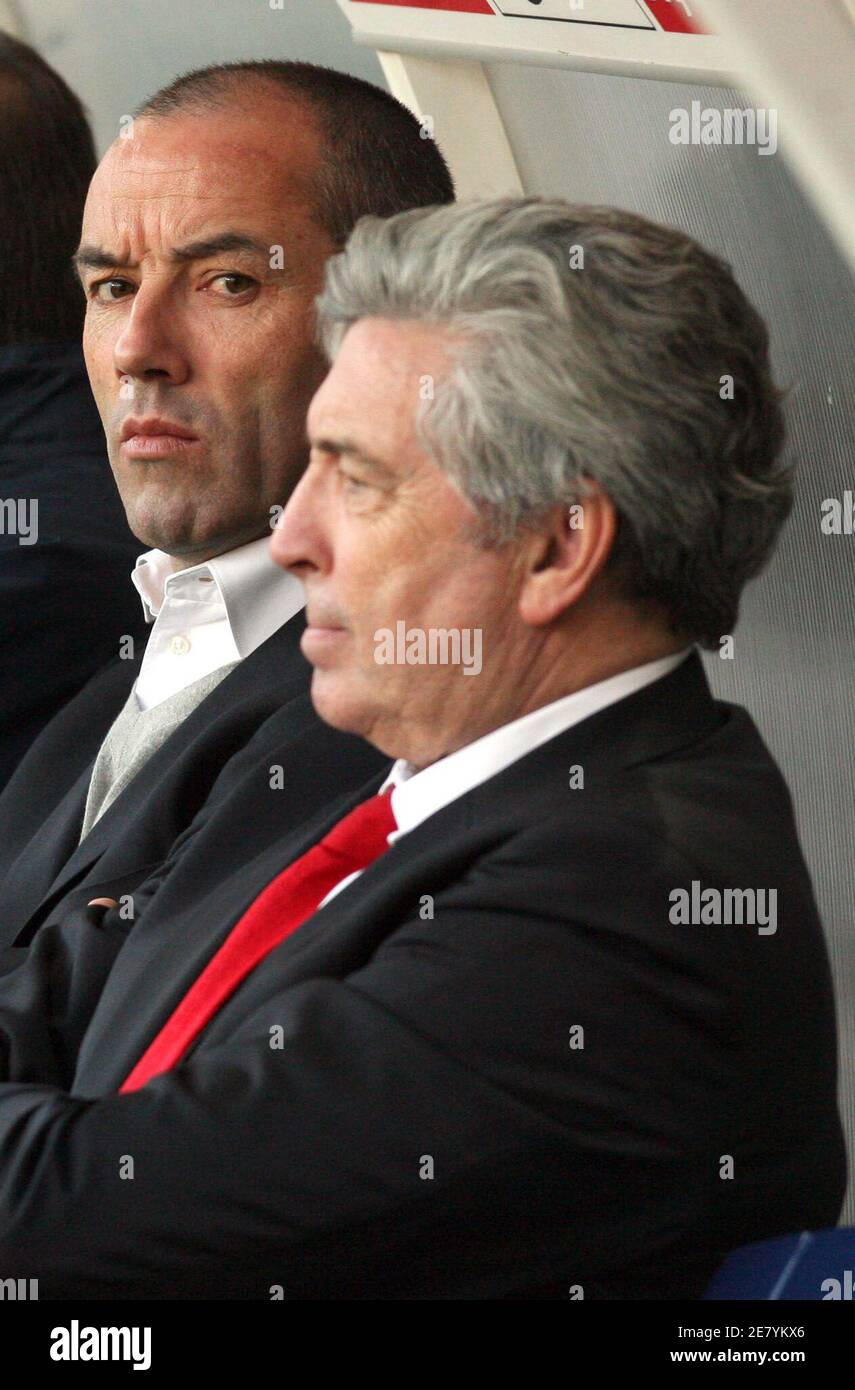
[(208, 615), (417, 795)]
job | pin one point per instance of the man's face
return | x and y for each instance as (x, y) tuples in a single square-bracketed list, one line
[(200, 258), (379, 536)]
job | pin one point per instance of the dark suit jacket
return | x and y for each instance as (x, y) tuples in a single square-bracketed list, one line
[(65, 601), (44, 869), (390, 1105)]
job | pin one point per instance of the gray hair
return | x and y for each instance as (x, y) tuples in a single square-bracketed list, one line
[(606, 366)]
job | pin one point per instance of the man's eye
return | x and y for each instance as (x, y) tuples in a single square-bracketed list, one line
[(238, 284), (352, 484), (103, 290)]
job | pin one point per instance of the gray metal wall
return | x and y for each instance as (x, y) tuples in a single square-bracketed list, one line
[(114, 53)]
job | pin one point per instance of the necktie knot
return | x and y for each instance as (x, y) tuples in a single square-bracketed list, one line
[(363, 833)]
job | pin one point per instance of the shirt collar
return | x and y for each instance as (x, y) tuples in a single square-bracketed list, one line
[(257, 594), (419, 794)]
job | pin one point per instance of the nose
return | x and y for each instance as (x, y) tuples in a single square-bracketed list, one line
[(300, 542), (148, 346)]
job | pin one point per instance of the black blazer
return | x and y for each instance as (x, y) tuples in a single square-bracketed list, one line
[(43, 869), (390, 1105), (65, 601)]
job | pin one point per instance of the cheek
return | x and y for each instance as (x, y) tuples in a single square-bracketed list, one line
[(97, 354), (458, 591), (284, 342), (371, 585), (277, 387)]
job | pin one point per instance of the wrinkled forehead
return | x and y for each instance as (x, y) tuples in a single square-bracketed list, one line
[(185, 171), (373, 392)]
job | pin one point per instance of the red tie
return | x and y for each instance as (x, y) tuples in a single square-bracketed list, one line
[(285, 903)]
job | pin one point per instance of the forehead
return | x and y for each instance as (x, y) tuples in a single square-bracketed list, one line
[(190, 168), (382, 371)]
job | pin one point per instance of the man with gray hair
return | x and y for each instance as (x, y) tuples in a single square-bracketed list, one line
[(481, 1030)]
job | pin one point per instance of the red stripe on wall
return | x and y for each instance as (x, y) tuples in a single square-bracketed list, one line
[(463, 6), (673, 17)]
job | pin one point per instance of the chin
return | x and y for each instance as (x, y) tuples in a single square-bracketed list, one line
[(155, 532), (338, 708), (180, 540)]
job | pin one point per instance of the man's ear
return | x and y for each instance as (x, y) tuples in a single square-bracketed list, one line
[(566, 556)]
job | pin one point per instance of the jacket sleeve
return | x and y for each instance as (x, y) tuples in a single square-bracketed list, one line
[(49, 993), (347, 1131), (336, 1139), (251, 1166), (425, 1118)]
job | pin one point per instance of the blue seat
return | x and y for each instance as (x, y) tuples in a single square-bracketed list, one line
[(809, 1265)]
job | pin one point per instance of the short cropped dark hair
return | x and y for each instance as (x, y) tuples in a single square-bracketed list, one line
[(47, 159), (376, 159)]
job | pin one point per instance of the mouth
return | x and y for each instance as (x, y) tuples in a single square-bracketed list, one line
[(319, 638), (155, 438)]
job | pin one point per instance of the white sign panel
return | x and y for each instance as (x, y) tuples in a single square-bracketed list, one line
[(627, 13), (646, 38)]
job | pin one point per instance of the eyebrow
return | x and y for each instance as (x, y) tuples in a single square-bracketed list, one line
[(350, 449), (98, 258)]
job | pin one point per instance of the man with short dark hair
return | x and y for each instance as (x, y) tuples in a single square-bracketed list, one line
[(205, 234), (515, 1019)]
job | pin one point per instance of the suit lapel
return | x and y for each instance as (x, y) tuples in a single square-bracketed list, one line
[(160, 961), (169, 957), (44, 856), (278, 661)]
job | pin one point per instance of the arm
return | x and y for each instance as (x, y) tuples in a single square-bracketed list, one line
[(48, 997), (303, 1165), (57, 991)]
